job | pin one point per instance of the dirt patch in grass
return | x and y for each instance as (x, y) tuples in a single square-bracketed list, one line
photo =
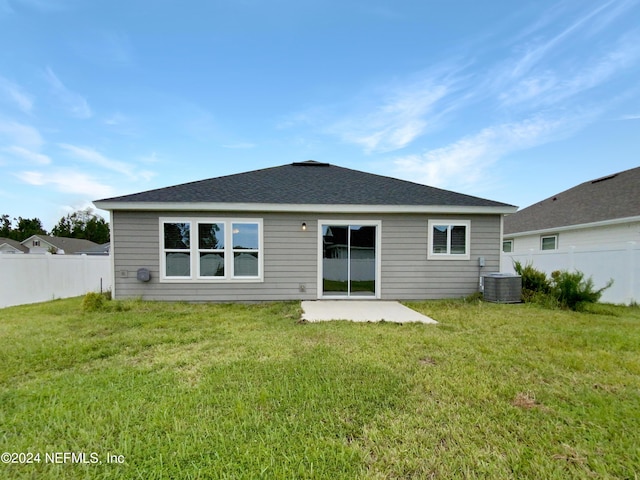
[(525, 400), (428, 361)]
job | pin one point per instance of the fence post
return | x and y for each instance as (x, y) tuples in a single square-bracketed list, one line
[(631, 265)]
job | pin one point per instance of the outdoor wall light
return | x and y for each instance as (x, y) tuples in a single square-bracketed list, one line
[(304, 226)]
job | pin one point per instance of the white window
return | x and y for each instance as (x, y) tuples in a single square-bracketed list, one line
[(507, 246), (177, 249), (211, 250), (549, 242), (449, 240)]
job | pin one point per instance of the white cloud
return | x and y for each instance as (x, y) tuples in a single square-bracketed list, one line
[(90, 155), (116, 119), (28, 155), (395, 120), (68, 182), (75, 103), (20, 134), (635, 116), (541, 93), (151, 158), (551, 86), (146, 175), (467, 161), (534, 55), (16, 94), (121, 124), (94, 157)]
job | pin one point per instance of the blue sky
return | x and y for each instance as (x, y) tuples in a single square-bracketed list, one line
[(512, 101)]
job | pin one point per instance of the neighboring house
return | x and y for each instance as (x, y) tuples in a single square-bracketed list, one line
[(11, 246), (305, 230), (593, 227), (103, 249), (58, 245)]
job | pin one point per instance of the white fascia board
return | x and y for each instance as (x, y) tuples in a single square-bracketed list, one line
[(284, 207), (603, 223)]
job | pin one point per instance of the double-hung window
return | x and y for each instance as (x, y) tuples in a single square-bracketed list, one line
[(211, 250), (449, 240), (177, 249)]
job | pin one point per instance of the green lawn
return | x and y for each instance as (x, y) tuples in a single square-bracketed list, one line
[(247, 391)]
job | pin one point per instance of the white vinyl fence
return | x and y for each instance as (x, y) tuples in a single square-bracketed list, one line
[(359, 269), (621, 263), (31, 278)]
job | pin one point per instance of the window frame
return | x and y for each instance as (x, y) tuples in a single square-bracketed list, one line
[(228, 251), (201, 250), (165, 250), (432, 223), (555, 242), (510, 242)]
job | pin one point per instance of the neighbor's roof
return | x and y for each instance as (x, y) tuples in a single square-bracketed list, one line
[(102, 249), (304, 183), (607, 198), (13, 244), (68, 245)]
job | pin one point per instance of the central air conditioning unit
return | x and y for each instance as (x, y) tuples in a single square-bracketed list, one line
[(503, 288)]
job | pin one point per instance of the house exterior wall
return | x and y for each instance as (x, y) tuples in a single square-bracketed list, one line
[(604, 252), (33, 246), (8, 249), (599, 236), (291, 258)]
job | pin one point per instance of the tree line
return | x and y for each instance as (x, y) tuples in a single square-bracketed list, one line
[(81, 224)]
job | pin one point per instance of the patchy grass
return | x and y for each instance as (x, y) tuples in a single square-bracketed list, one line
[(248, 391)]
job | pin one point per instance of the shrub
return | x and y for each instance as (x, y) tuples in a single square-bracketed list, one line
[(92, 301), (573, 291), (564, 289), (534, 282)]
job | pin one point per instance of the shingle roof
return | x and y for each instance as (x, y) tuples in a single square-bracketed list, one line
[(607, 198), (102, 249), (69, 245), (13, 243), (307, 183)]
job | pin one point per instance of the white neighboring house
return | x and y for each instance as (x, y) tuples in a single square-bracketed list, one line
[(593, 227), (8, 246), (58, 245)]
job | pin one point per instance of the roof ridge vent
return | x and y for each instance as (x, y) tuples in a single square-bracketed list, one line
[(310, 163), (602, 179)]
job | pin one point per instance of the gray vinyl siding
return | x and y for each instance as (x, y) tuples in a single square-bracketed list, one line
[(289, 261), (407, 274), (291, 258)]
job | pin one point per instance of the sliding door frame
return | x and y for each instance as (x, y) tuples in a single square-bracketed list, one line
[(378, 257)]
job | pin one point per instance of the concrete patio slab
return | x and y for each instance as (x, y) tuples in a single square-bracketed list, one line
[(361, 311)]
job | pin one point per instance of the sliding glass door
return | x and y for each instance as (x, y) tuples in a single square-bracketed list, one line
[(349, 262)]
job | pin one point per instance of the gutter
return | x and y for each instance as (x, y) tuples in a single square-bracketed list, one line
[(284, 207)]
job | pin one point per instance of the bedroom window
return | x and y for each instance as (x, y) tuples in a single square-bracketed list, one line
[(449, 240), (211, 250)]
